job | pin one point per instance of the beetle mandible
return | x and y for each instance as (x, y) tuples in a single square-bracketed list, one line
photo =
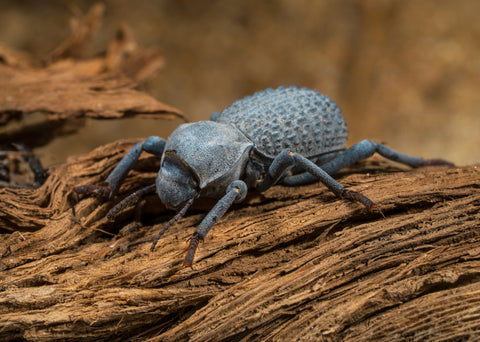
[(287, 135)]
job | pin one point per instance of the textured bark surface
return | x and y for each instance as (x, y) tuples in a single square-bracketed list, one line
[(287, 264)]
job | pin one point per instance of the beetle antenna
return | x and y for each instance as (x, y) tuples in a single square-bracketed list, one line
[(123, 203), (172, 221)]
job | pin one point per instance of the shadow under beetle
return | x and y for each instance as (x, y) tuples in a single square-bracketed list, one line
[(290, 136)]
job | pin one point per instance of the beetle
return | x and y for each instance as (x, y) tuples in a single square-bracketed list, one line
[(288, 135)]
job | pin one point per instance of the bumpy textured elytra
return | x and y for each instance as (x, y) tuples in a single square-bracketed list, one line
[(288, 135), (289, 118)]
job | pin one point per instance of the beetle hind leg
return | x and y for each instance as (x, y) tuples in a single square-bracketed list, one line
[(288, 159), (360, 151)]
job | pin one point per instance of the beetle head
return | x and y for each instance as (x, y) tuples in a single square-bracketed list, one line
[(176, 181)]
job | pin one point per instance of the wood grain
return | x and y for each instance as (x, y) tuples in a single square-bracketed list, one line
[(287, 264)]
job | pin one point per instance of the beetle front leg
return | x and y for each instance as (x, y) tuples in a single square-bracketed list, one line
[(153, 145), (288, 158), (236, 192)]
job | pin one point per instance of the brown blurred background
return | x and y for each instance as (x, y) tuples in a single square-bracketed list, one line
[(405, 72)]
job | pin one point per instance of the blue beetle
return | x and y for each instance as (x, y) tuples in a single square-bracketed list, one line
[(290, 135)]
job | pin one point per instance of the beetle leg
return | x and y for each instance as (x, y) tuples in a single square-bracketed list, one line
[(360, 151), (178, 216), (153, 145), (405, 159), (288, 158), (123, 203), (236, 192), (92, 190)]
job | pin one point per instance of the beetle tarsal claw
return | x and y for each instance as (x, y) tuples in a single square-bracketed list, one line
[(194, 241), (358, 197)]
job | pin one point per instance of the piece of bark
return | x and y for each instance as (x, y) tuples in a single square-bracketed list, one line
[(77, 89), (68, 92), (83, 28), (124, 54), (68, 89), (287, 264)]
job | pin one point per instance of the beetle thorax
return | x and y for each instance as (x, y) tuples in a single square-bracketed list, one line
[(209, 154)]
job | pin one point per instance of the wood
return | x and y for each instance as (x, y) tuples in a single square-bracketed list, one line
[(287, 264), (67, 89)]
